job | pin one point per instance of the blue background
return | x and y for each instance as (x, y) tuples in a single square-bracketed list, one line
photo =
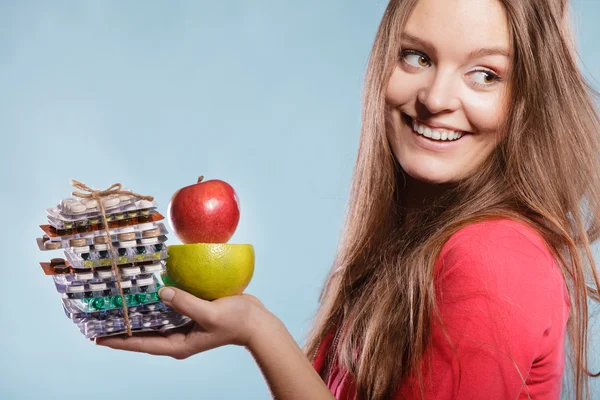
[(264, 95)]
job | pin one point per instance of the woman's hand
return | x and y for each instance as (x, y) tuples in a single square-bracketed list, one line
[(229, 320)]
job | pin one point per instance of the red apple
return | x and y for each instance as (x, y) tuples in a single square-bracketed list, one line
[(205, 212)]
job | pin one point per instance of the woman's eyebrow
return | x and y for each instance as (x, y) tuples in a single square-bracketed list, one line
[(486, 51)]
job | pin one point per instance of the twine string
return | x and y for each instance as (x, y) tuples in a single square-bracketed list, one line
[(115, 189)]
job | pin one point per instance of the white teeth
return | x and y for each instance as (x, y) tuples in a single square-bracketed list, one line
[(435, 134)]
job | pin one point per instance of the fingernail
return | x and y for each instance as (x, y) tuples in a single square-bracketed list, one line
[(166, 294)]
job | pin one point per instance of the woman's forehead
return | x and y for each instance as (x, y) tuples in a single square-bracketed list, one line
[(465, 25)]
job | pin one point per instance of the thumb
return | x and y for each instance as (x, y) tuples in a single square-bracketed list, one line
[(184, 303)]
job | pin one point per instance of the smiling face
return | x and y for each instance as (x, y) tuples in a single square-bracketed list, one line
[(447, 96)]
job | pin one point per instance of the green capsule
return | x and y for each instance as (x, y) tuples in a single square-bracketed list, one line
[(141, 298), (98, 303), (132, 301), (117, 302)]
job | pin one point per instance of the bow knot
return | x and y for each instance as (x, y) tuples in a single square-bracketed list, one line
[(115, 188)]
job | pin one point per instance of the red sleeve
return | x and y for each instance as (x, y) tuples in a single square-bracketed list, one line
[(503, 303)]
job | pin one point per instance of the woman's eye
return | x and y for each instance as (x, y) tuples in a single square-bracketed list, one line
[(416, 59), (484, 77)]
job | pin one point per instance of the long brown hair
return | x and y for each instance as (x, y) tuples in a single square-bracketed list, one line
[(545, 171)]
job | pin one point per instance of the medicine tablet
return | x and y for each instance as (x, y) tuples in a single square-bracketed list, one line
[(82, 249), (97, 286), (90, 203), (77, 208), (147, 324), (56, 261), (127, 244), (105, 274), (151, 233), (77, 242), (100, 247), (145, 281), (149, 241), (165, 321), (126, 284), (110, 202), (75, 289), (153, 268), (101, 239), (84, 276), (131, 271), (52, 245), (126, 229), (146, 226), (126, 236)]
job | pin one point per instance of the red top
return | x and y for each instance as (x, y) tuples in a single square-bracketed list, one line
[(505, 305)]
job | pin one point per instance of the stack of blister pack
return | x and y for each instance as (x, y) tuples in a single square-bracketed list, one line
[(86, 278)]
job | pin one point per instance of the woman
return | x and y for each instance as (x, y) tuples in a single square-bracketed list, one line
[(466, 250)]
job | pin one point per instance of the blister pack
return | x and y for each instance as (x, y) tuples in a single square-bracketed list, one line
[(118, 312), (57, 229), (143, 232), (109, 267), (140, 322)]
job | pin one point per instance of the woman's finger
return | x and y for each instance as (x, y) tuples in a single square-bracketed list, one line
[(155, 345), (199, 310)]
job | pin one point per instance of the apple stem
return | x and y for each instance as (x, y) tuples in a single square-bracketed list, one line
[(200, 178)]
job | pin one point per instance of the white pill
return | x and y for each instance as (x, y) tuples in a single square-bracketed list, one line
[(90, 204), (151, 307), (146, 226), (153, 268), (84, 276), (82, 249), (125, 284), (64, 204), (129, 243), (165, 321), (145, 281), (147, 324), (130, 271), (149, 241), (100, 247), (109, 202), (106, 274), (110, 329), (127, 229), (77, 208), (75, 289), (97, 286)]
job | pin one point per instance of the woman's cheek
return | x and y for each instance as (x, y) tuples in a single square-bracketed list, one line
[(485, 111), (401, 87)]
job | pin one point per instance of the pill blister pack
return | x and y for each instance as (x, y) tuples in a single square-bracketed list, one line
[(72, 208), (118, 312), (142, 231), (107, 275), (93, 292), (94, 288), (93, 304), (153, 320), (58, 228), (123, 256)]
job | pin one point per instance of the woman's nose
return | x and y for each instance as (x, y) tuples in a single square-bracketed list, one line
[(440, 93)]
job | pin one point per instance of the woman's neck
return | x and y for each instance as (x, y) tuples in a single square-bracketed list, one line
[(418, 196)]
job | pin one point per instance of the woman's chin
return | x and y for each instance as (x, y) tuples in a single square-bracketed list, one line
[(433, 177)]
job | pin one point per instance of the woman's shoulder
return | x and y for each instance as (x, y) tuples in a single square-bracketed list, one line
[(500, 252), (514, 240)]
